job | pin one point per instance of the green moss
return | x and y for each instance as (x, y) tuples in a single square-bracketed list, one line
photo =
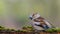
[(49, 30), (18, 31), (27, 28), (12, 29), (53, 30)]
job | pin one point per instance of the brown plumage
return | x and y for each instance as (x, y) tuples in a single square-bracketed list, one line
[(40, 19)]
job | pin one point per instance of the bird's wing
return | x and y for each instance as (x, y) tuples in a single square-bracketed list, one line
[(49, 25)]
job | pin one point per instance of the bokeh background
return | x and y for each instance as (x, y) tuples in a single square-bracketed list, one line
[(15, 13)]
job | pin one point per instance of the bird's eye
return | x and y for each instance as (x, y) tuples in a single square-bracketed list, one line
[(31, 18)]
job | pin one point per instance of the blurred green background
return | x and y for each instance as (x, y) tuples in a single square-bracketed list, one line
[(15, 13)]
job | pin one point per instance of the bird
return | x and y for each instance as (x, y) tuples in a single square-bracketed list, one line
[(38, 22)]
